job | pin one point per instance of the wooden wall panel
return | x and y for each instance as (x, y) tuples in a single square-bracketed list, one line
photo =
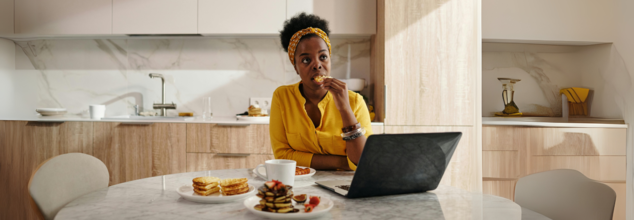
[(500, 164), (138, 151), (578, 141), (209, 161), (431, 62), (377, 53), (377, 129), (23, 146), (602, 168), (502, 188), (463, 170), (212, 138)]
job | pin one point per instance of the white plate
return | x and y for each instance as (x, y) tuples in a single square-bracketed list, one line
[(253, 119), (322, 209), (187, 192), (51, 111), (312, 172)]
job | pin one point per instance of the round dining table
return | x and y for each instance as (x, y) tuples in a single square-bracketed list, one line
[(156, 198)]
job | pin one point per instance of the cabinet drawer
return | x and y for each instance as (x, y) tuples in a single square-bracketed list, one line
[(209, 161), (215, 138)]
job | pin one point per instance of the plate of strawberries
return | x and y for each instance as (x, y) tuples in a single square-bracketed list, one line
[(275, 200)]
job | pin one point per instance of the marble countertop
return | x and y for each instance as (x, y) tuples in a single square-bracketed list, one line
[(555, 122), (214, 120), (148, 199)]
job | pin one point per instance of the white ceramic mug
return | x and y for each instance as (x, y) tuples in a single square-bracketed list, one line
[(97, 111), (280, 170)]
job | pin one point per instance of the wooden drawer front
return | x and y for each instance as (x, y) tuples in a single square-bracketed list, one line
[(214, 138), (602, 168), (501, 188), (208, 161), (498, 138), (500, 164), (138, 151), (578, 141)]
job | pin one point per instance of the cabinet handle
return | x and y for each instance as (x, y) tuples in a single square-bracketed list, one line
[(232, 125), (137, 123), (56, 122), (233, 155)]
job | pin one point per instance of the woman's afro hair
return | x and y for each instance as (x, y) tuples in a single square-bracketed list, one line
[(299, 22)]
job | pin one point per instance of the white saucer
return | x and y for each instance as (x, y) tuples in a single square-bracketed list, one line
[(312, 172), (322, 209), (51, 111), (187, 192)]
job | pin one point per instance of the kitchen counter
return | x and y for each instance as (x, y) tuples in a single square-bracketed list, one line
[(214, 120), (555, 122)]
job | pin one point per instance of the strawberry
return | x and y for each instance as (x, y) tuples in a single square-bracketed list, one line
[(308, 208), (314, 200), (269, 184)]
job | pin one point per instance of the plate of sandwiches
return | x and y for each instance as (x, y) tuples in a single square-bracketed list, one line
[(211, 189), (275, 200), (300, 172)]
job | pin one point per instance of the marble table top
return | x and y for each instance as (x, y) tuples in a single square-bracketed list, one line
[(146, 199)]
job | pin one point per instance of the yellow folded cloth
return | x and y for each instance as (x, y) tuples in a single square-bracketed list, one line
[(502, 114), (575, 95)]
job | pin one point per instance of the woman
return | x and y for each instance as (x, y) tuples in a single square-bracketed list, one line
[(322, 125)]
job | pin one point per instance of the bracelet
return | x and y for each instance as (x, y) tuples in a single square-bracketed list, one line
[(353, 135), (351, 128)]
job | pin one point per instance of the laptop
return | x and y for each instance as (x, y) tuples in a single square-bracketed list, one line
[(397, 164)]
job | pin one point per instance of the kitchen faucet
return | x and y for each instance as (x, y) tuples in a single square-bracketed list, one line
[(163, 106)]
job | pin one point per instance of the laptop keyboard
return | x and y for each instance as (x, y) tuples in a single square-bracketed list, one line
[(344, 187)]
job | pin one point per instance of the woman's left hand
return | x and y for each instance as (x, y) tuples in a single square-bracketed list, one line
[(339, 91)]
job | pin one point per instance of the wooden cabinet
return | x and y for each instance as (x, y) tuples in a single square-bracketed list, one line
[(241, 16), (6, 17), (217, 138), (154, 16), (23, 146), (348, 17), (138, 151), (426, 52), (436, 70), (51, 17), (510, 153)]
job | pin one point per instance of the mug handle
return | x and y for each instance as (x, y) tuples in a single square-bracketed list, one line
[(257, 171)]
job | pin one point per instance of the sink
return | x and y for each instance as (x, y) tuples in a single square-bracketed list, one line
[(144, 118)]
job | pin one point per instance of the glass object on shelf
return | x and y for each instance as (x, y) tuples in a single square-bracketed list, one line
[(508, 94)]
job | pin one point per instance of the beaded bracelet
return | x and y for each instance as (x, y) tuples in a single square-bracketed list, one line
[(353, 135), (351, 128)]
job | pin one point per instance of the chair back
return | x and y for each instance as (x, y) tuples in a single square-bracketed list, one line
[(565, 194), (64, 178)]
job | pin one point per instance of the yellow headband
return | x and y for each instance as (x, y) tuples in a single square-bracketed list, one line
[(292, 46)]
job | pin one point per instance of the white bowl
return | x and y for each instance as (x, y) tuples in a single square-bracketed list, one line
[(354, 84)]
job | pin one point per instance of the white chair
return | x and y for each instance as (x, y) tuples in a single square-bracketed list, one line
[(63, 178), (565, 194)]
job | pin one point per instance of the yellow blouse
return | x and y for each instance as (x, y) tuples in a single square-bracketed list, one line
[(293, 134)]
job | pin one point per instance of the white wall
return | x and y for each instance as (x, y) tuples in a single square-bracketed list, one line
[(7, 67), (548, 20)]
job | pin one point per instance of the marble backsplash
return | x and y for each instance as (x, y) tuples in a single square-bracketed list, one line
[(544, 70), (75, 73)]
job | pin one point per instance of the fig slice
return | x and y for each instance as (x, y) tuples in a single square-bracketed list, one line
[(308, 208), (300, 198)]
